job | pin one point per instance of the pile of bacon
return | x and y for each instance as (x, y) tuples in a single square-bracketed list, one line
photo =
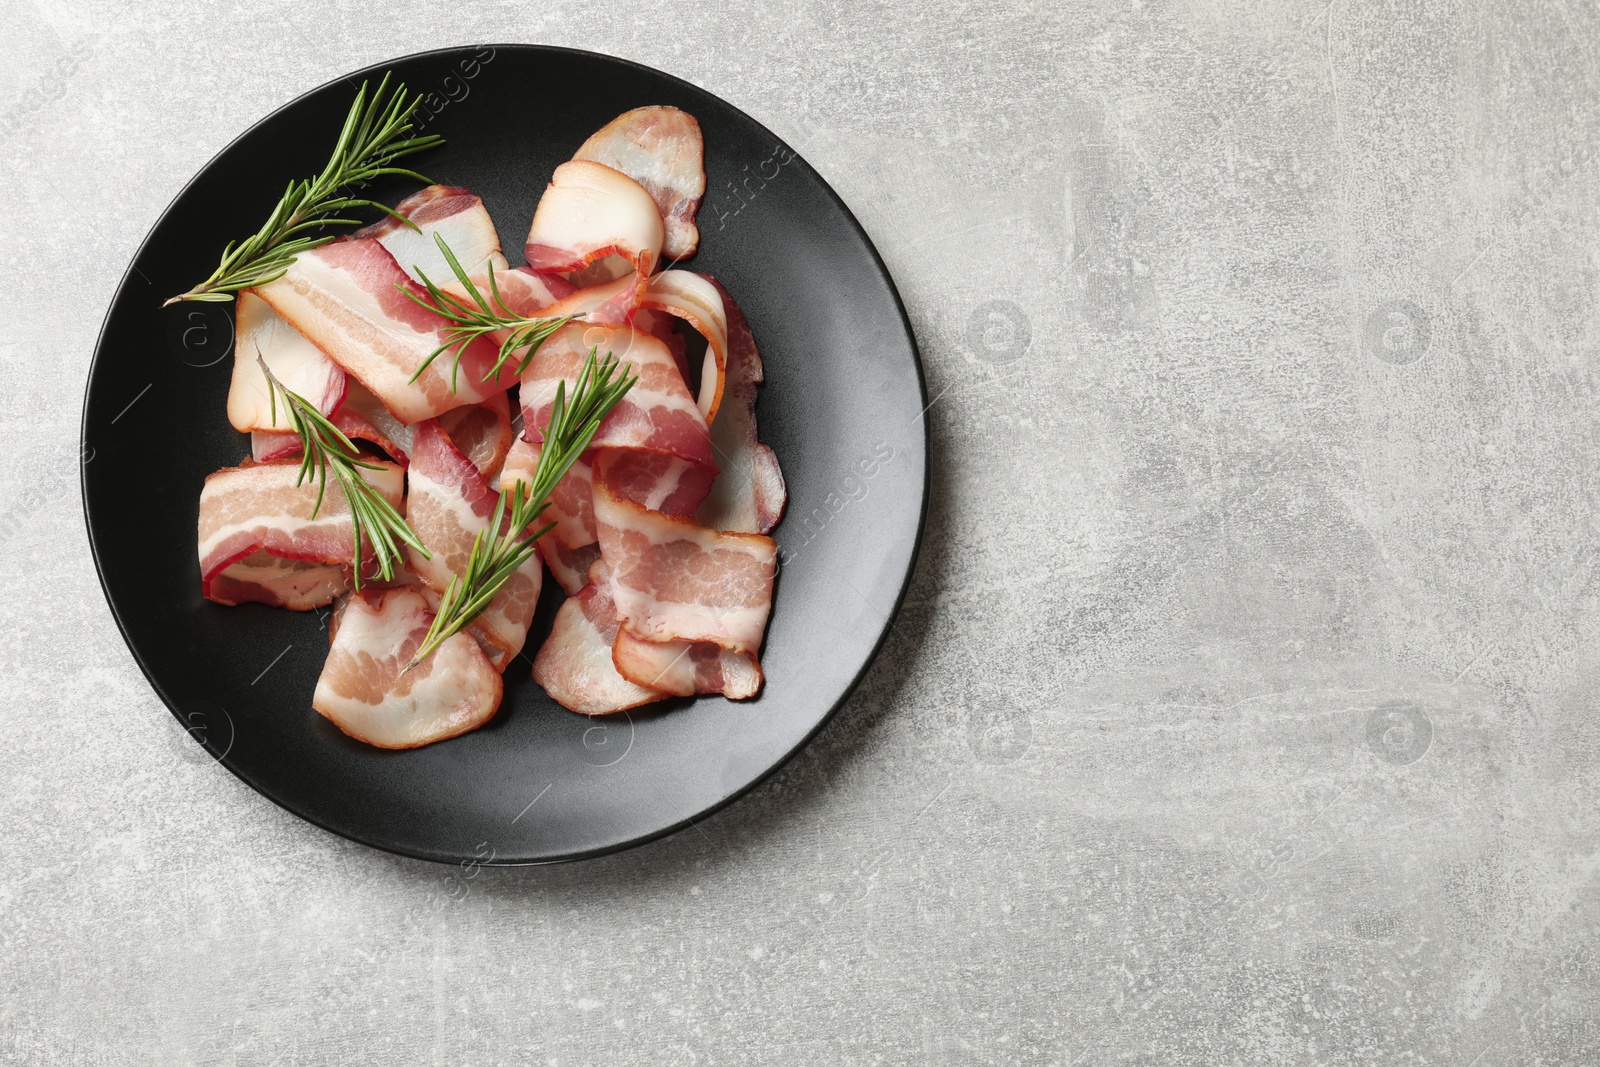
[(659, 537)]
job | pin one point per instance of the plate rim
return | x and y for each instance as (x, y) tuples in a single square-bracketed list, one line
[(693, 819)]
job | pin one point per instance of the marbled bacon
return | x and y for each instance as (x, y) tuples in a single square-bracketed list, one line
[(259, 506), (656, 415), (662, 149), (574, 664), (673, 580), (366, 690), (349, 298)]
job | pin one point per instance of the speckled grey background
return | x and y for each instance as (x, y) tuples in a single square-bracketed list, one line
[(1243, 710)]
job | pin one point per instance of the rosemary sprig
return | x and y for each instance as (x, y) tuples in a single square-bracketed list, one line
[(469, 322), (373, 519), (504, 545), (374, 136)]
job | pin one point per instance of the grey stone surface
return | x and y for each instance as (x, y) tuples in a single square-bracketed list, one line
[(1243, 710)]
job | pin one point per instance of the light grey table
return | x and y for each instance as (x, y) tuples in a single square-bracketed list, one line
[(1243, 710)]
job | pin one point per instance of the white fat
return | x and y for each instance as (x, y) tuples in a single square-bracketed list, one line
[(589, 206), (295, 361), (470, 234)]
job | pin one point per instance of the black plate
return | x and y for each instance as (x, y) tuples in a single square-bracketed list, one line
[(843, 407)]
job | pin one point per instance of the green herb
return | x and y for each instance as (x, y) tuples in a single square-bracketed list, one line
[(374, 136), (373, 520), (470, 321), (504, 545)]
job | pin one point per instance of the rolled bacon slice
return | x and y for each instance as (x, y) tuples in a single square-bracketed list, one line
[(686, 668), (749, 496), (454, 213), (656, 415), (258, 506), (574, 664), (675, 581), (366, 691), (295, 362), (449, 502), (296, 584), (697, 300), (589, 212), (661, 148), (348, 298)]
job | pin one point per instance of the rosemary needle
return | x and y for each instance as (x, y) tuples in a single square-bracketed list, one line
[(375, 134), (470, 321)]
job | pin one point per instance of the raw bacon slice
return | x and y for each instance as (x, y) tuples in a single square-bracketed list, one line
[(370, 587), (574, 663), (259, 506), (660, 148), (653, 480), (589, 212), (448, 505), (569, 566), (675, 581), (686, 668), (696, 300), (750, 495), (366, 691), (296, 362), (296, 584), (608, 302), (482, 432), (656, 415), (348, 298), (451, 211), (569, 549), (601, 271)]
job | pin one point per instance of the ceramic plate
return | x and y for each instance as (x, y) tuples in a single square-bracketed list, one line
[(843, 407)]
